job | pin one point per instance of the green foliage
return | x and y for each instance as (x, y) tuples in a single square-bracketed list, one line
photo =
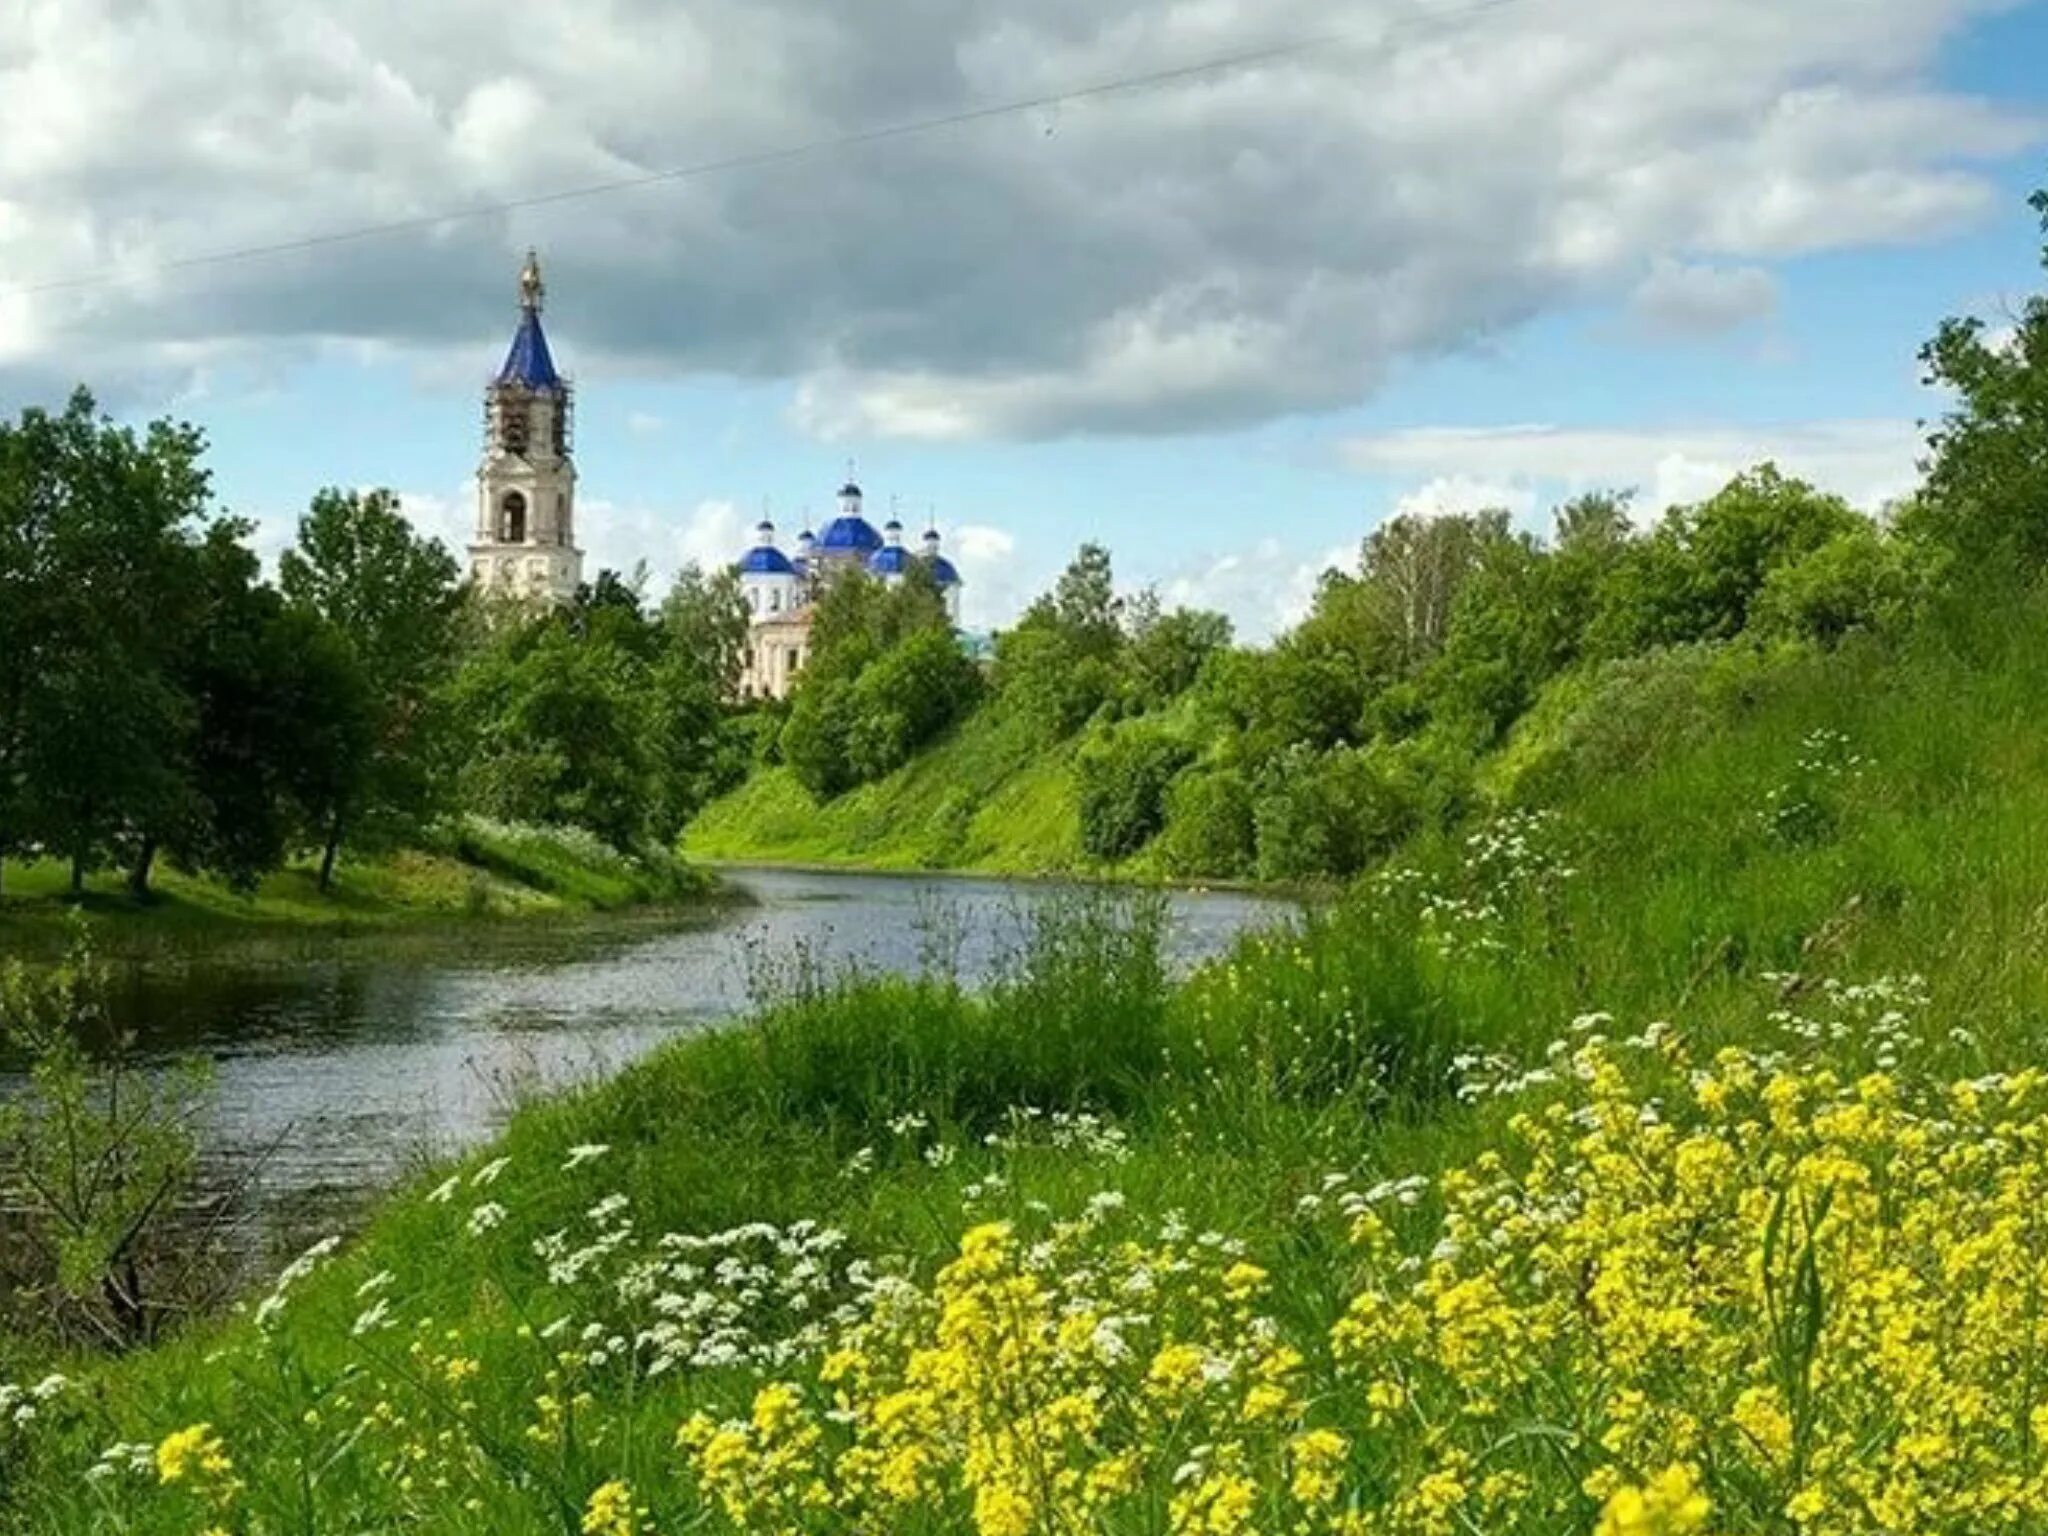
[(1696, 577), (908, 696), (1057, 666), (1333, 813), (1987, 475), (817, 737), (394, 600), (1121, 776), (1600, 723), (100, 532), (1859, 579), (558, 732), (568, 862), (1166, 652), (886, 676), (98, 1157), (1209, 828)]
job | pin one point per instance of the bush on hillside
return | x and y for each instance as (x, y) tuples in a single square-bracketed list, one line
[(1860, 579), (816, 737), (1335, 812), (1615, 717), (1121, 776), (905, 699), (1209, 828)]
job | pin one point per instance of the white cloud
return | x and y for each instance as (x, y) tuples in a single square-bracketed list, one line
[(451, 519), (1263, 589), (644, 424), (1218, 251), (994, 588), (1867, 461), (1689, 300), (618, 537), (1448, 495)]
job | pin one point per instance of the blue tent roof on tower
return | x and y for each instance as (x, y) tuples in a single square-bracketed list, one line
[(528, 362)]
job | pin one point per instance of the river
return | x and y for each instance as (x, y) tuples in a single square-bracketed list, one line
[(336, 1072)]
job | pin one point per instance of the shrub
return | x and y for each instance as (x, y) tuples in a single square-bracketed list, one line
[(906, 698), (815, 739), (1121, 777), (1209, 828), (1857, 580), (1332, 814), (1612, 719), (99, 1155)]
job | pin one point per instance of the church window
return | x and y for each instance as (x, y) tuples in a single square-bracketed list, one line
[(561, 519), (775, 600), (512, 519)]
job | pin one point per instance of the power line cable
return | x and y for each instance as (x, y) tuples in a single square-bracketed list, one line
[(760, 159)]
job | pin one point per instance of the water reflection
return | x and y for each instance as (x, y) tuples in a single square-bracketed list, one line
[(339, 1069)]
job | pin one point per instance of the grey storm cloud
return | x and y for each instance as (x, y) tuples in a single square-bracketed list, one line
[(1212, 252)]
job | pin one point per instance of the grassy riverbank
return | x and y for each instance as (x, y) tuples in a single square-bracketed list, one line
[(1331, 1237), (473, 871)]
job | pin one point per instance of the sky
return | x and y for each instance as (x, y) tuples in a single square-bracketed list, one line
[(1422, 256)]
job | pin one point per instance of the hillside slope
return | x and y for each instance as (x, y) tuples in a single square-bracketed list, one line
[(1755, 1233), (984, 798)]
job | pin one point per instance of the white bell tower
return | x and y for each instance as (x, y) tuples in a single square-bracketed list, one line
[(525, 544)]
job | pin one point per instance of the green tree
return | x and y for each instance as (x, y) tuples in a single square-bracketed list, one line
[(1057, 665), (1860, 579), (1209, 829), (704, 618), (1166, 651), (905, 699), (1987, 469), (558, 731), (104, 524), (1696, 576), (816, 736), (393, 598), (279, 715)]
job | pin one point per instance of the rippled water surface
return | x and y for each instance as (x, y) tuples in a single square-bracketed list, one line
[(335, 1069)]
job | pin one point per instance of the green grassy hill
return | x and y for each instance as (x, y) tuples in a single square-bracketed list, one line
[(1661, 1154), (984, 798)]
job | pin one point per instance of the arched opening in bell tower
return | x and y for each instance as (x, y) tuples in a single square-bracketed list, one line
[(512, 519)]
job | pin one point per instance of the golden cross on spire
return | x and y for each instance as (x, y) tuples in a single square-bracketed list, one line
[(531, 289)]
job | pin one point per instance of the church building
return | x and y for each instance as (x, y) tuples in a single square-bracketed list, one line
[(525, 545), (780, 590)]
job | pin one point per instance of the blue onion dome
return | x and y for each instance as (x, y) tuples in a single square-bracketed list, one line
[(850, 491), (890, 560), (943, 571), (765, 560), (849, 535)]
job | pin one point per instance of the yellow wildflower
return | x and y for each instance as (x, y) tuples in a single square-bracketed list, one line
[(1670, 1504), (610, 1511)]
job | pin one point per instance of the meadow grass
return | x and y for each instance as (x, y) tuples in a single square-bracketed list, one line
[(1544, 1182)]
